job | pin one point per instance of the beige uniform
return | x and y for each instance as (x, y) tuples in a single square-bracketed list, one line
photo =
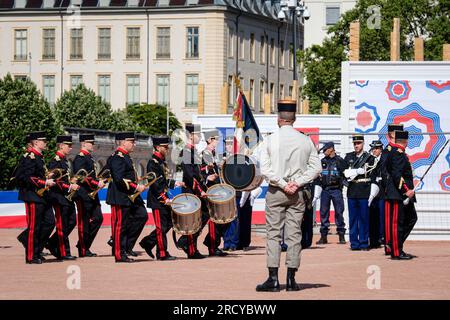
[(287, 155)]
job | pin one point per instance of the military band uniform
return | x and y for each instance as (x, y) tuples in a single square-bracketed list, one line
[(90, 217), (30, 177), (156, 198), (358, 192), (128, 217), (399, 180), (65, 214), (376, 208)]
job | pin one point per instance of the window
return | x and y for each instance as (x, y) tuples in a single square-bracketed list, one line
[(76, 44), (104, 87), (49, 88), (163, 43), (133, 43), (290, 91), (252, 93), (252, 47), (163, 89), (48, 36), (332, 15), (20, 77), (191, 90), (133, 89), (282, 53), (192, 42), (262, 51), (241, 45), (291, 56), (230, 90), (261, 96), (272, 97), (281, 93), (230, 43), (104, 44), (272, 51), (20, 53), (75, 81)]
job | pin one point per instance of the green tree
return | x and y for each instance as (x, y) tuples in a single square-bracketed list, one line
[(322, 63), (22, 109), (82, 108), (152, 119), (121, 121)]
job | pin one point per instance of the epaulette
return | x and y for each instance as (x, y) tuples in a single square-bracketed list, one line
[(81, 154), (156, 161), (57, 158), (120, 154), (31, 155), (400, 150), (389, 148)]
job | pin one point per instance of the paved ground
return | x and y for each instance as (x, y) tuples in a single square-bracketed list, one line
[(327, 272)]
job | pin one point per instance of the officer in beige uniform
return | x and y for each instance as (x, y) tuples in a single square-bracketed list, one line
[(289, 160)]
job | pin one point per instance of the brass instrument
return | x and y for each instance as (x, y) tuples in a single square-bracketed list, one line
[(50, 174), (104, 175), (80, 176), (151, 179)]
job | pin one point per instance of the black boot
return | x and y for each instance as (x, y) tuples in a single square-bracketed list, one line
[(323, 239), (291, 285), (271, 284), (342, 238)]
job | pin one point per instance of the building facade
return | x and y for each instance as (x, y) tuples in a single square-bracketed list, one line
[(151, 51)]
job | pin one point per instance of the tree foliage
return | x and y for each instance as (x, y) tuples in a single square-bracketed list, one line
[(152, 119)]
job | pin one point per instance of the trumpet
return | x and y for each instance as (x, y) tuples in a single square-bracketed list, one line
[(104, 175), (51, 173), (151, 179), (80, 176)]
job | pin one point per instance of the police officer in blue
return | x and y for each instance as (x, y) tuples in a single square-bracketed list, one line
[(329, 188), (358, 192)]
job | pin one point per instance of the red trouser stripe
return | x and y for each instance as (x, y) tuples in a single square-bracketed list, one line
[(159, 238), (113, 219), (212, 236), (117, 233), (395, 231), (81, 227), (59, 230), (31, 212), (387, 225), (191, 245)]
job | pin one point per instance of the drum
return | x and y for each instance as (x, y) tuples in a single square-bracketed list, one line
[(222, 203), (242, 172), (186, 214)]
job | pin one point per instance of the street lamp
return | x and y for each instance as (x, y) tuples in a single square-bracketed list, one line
[(293, 9)]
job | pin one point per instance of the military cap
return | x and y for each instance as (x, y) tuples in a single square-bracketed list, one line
[(36, 135), (87, 138), (358, 138), (160, 140), (401, 135), (125, 136), (287, 106), (213, 133), (192, 128), (376, 144), (64, 139), (327, 145), (394, 127)]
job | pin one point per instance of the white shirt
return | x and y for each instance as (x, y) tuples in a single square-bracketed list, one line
[(288, 155)]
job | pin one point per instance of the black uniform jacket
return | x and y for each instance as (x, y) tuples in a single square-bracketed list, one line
[(190, 165), (121, 167), (157, 194), (359, 188), (30, 176), (209, 167), (84, 160), (59, 191)]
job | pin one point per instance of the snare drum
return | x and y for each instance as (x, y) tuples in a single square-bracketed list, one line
[(242, 172), (222, 203), (186, 214)]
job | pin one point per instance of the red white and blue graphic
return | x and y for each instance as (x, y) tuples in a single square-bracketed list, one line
[(398, 90), (422, 149), (418, 184), (362, 83), (367, 118), (444, 181), (438, 85)]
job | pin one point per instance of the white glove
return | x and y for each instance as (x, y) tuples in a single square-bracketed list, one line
[(317, 192), (374, 190), (254, 195), (244, 197), (360, 171), (350, 174)]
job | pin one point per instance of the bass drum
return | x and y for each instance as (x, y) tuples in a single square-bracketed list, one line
[(222, 203), (242, 172), (186, 214)]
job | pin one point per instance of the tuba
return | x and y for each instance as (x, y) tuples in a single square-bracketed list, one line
[(80, 176), (104, 175), (56, 173), (151, 179)]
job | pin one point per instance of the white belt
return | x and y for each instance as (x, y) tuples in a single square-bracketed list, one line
[(362, 180)]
